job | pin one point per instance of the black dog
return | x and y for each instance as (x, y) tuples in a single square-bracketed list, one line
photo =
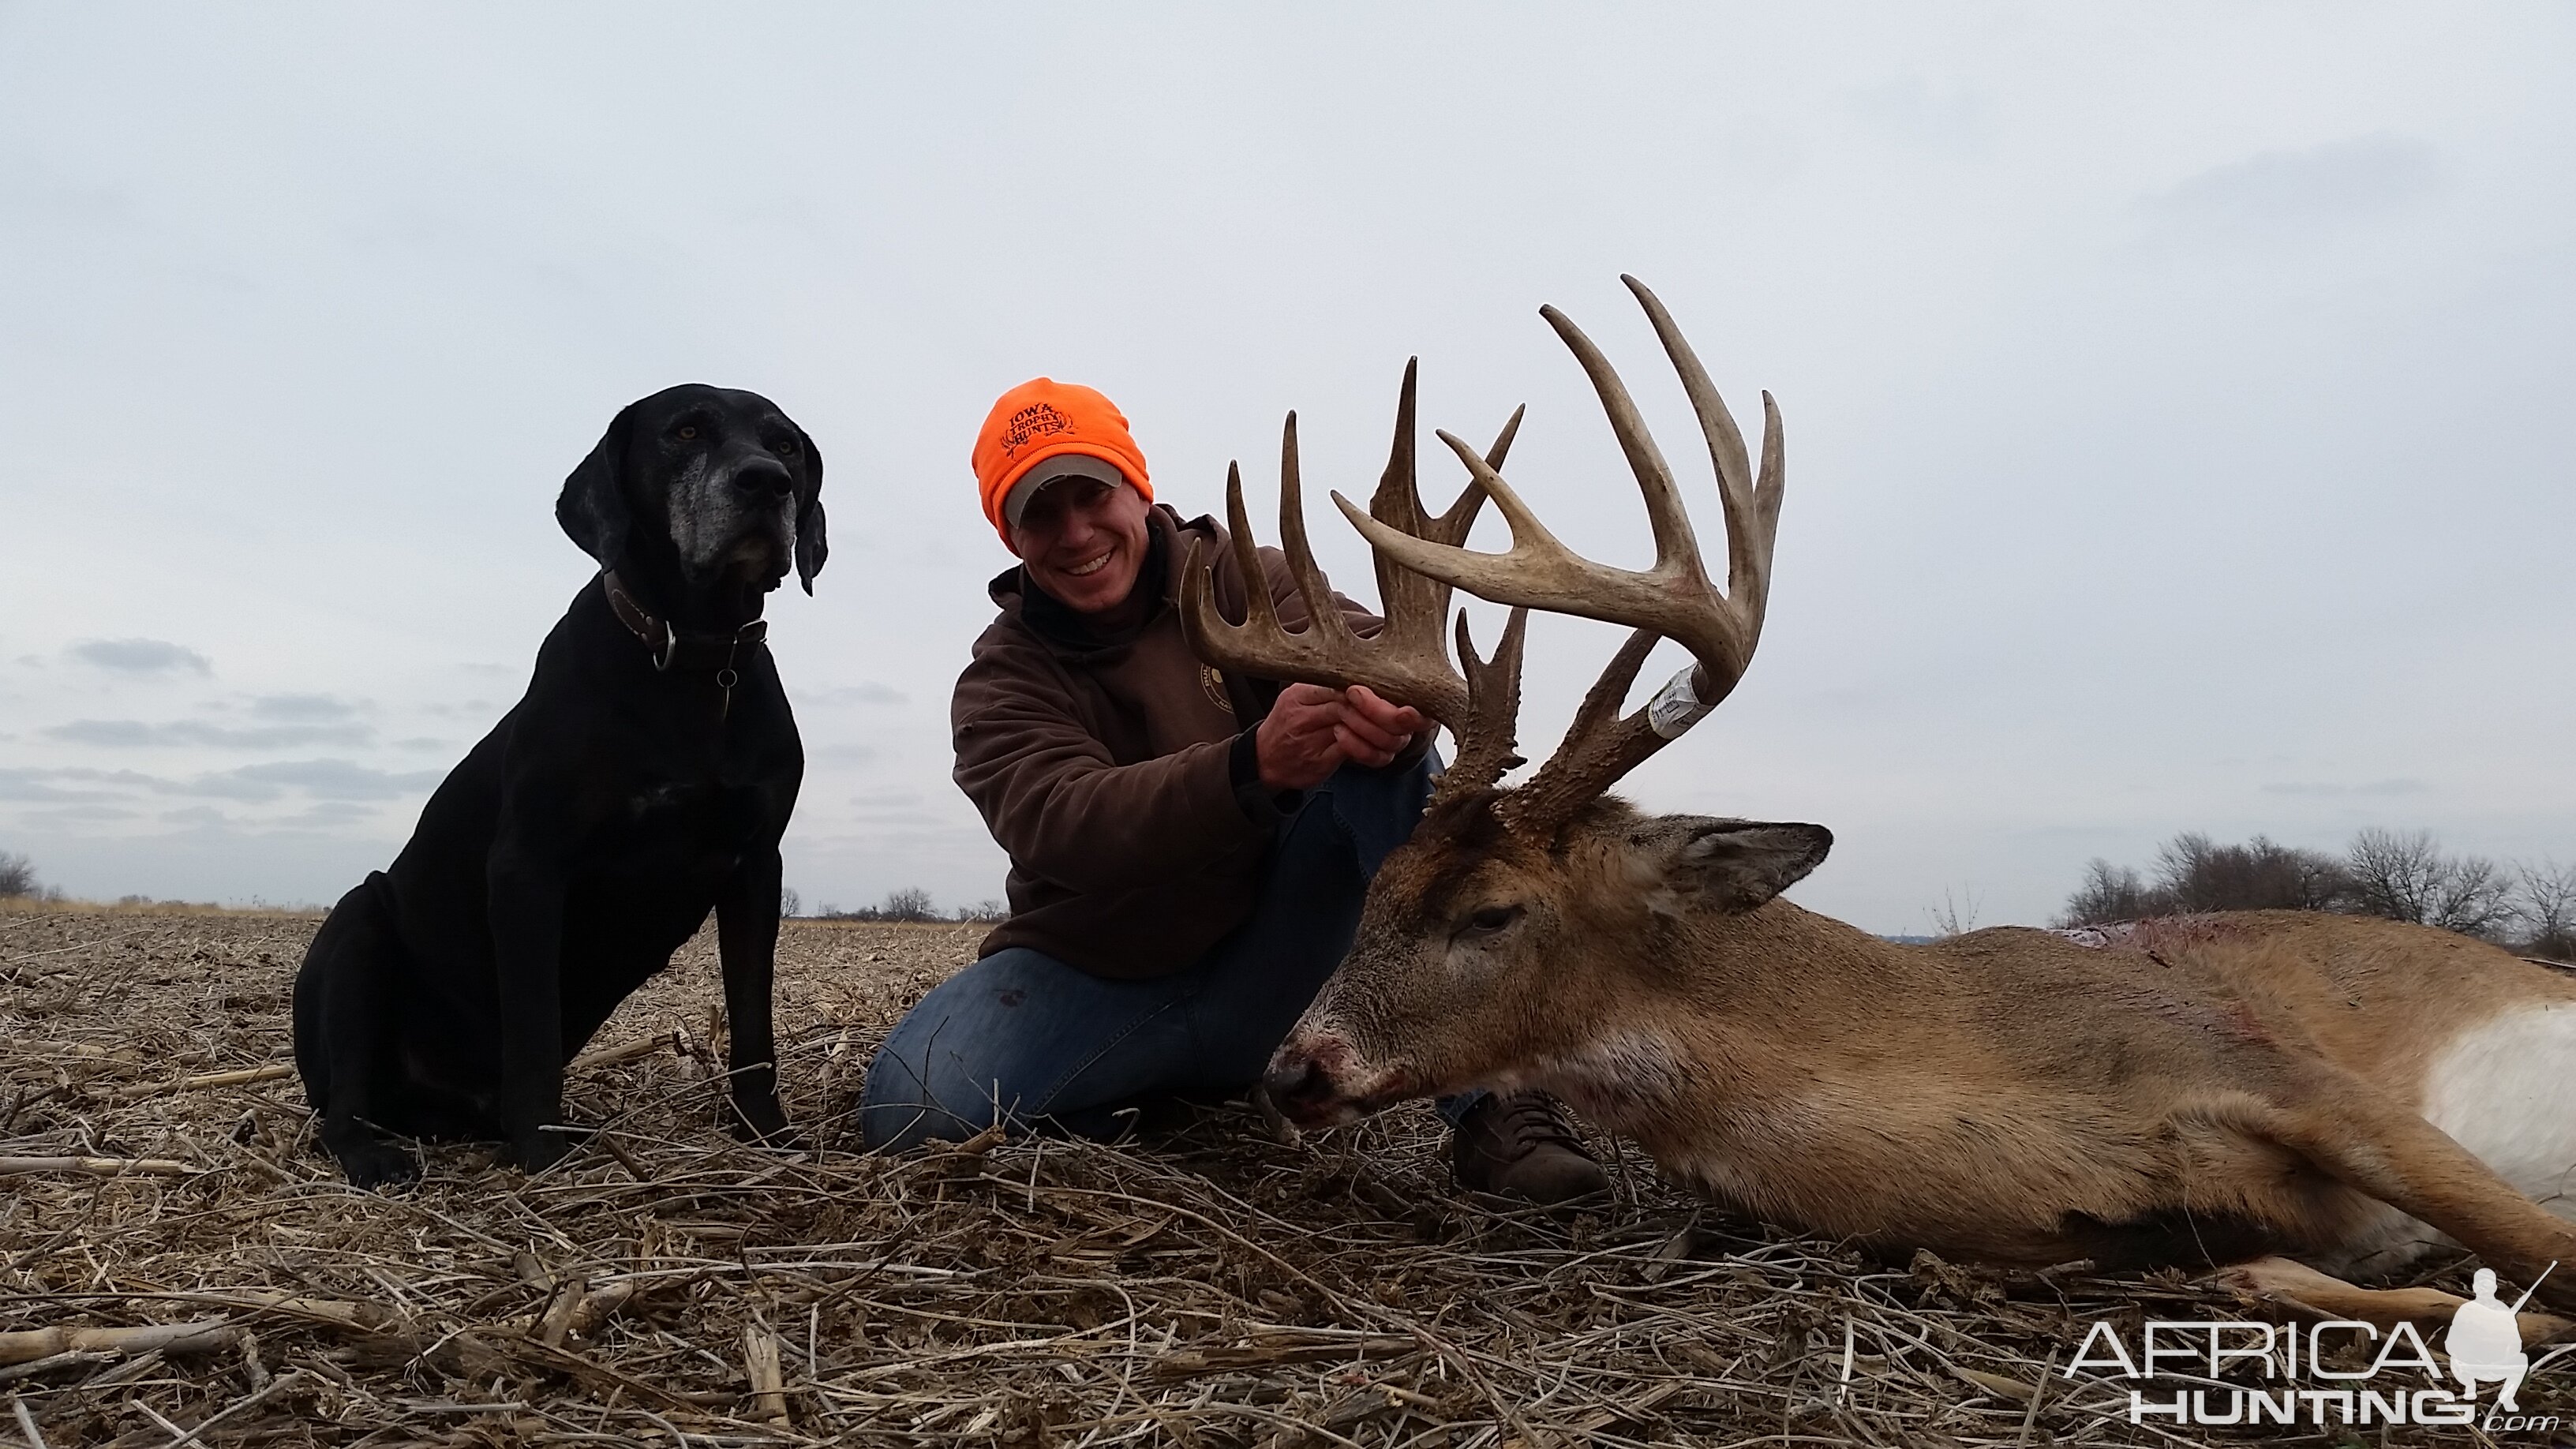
[(643, 780)]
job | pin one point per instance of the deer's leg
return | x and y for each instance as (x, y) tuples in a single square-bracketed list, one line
[(2353, 1133), (2298, 1286)]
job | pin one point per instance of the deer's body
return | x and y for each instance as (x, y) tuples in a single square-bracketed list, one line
[(2274, 1093), (2012, 1096)]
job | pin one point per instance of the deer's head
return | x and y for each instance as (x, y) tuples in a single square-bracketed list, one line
[(1485, 958), (1517, 919)]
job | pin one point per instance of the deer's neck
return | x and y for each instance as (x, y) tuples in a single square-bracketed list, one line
[(1742, 1013)]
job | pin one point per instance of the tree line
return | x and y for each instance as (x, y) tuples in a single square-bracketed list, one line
[(910, 904), (18, 877), (2402, 875)]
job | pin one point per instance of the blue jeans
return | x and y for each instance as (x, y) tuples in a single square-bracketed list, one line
[(1026, 1039)]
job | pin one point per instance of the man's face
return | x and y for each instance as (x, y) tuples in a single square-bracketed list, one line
[(1084, 541)]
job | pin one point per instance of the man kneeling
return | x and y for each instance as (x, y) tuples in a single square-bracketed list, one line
[(1189, 849)]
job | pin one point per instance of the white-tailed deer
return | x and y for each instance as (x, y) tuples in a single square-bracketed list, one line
[(2273, 1093)]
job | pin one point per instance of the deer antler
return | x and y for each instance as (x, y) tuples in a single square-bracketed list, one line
[(1675, 599), (1406, 660)]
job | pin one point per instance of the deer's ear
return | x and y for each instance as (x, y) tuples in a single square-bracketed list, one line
[(1734, 865)]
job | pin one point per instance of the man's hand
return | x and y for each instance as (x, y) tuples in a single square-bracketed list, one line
[(1313, 730)]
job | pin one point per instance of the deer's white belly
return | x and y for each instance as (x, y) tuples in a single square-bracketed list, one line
[(2507, 1092)]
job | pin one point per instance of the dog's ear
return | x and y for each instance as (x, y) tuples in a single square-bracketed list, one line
[(592, 507), (810, 547)]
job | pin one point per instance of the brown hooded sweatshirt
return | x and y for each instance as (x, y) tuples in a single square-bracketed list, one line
[(1119, 772)]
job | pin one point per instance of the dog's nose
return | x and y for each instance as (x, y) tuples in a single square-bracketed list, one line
[(763, 475)]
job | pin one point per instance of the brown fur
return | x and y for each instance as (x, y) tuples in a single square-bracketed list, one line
[(2204, 1092)]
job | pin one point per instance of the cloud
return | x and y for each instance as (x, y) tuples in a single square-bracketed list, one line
[(141, 656), (2362, 179), (201, 815), (302, 708), (329, 813), (1908, 110), (841, 754), (2328, 788), (36, 785), (25, 784), (864, 692), (135, 733), (82, 813), (318, 779), (324, 779)]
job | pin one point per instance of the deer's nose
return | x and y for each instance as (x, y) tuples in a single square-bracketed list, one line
[(1296, 1079)]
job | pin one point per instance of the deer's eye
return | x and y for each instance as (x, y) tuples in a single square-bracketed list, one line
[(1492, 919)]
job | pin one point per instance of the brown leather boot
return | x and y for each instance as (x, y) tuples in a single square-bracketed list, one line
[(1521, 1146)]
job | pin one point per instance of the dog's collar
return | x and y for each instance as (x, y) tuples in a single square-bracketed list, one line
[(672, 649)]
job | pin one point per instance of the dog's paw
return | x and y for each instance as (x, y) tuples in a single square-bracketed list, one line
[(377, 1166), (536, 1151), (762, 1123)]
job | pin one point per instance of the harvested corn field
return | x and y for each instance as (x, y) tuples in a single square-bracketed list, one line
[(178, 1263)]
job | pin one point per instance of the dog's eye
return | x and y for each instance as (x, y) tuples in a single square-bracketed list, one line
[(688, 432), (787, 447), (1493, 918)]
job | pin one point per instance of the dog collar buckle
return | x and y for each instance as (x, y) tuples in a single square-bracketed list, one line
[(671, 650)]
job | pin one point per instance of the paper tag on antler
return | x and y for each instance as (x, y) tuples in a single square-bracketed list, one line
[(1676, 706)]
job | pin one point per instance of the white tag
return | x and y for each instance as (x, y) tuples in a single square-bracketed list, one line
[(1676, 706)]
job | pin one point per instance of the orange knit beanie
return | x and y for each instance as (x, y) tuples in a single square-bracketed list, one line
[(1041, 419)]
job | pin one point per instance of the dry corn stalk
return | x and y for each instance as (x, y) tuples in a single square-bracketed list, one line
[(196, 1336), (98, 1166)]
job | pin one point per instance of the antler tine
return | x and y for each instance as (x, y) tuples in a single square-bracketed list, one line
[(1751, 512), (1676, 547), (1212, 637), (1599, 746), (1324, 621), (1411, 667), (1260, 613), (1486, 748), (1674, 599), (1416, 601)]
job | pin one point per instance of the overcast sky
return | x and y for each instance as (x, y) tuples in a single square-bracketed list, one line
[(2176, 396)]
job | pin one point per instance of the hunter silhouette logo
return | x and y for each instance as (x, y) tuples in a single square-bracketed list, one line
[(2485, 1343), (1037, 420), (2301, 1374)]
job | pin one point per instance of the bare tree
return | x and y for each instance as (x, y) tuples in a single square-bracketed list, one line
[(911, 903), (2404, 876), (2112, 893), (2544, 902), (2195, 873), (2472, 897), (2393, 872), (789, 903), (17, 875), (1948, 919)]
